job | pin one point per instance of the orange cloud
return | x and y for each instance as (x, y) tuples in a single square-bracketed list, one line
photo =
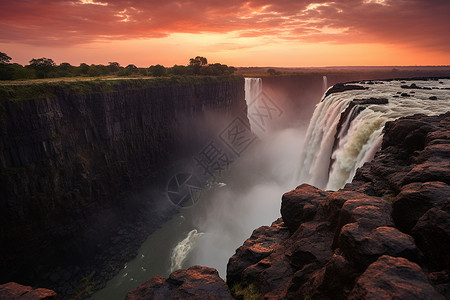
[(407, 24), (421, 23)]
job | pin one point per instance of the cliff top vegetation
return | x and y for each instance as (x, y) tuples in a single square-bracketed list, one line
[(34, 89), (43, 68)]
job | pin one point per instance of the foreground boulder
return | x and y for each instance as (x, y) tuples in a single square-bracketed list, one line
[(194, 283), (15, 291), (394, 278)]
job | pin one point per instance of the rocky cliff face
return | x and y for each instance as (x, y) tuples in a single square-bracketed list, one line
[(72, 153), (386, 235)]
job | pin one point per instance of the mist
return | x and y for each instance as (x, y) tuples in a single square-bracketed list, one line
[(245, 196), (249, 197)]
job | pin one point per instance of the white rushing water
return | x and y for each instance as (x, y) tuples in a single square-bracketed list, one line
[(253, 91), (183, 249), (360, 137), (324, 84)]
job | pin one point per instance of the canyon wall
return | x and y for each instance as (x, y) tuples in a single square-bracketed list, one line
[(72, 155)]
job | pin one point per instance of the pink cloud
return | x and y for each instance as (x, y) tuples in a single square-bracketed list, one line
[(418, 23)]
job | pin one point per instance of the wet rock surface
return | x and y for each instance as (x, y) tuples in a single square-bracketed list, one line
[(194, 283), (341, 87), (15, 291), (394, 278)]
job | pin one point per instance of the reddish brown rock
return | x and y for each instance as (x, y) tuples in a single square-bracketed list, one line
[(300, 205), (432, 234), (332, 281), (394, 278), (441, 282), (194, 283), (415, 200), (15, 291), (363, 246), (260, 245)]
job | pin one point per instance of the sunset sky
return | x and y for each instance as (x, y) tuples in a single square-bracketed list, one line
[(289, 33)]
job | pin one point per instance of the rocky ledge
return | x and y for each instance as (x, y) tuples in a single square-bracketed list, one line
[(194, 283), (15, 291), (386, 235)]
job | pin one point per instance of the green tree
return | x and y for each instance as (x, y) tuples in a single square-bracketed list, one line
[(113, 66), (4, 58), (66, 70), (21, 72), (217, 69), (199, 61), (178, 70), (157, 70), (131, 67), (83, 69), (6, 72), (94, 71), (43, 66)]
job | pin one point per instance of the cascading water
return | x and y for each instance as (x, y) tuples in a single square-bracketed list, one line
[(182, 250), (324, 84), (253, 90), (331, 158)]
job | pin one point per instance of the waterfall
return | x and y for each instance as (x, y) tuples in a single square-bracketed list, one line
[(331, 158), (324, 84), (253, 90), (182, 250)]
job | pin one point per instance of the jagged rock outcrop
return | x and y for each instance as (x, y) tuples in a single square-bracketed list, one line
[(194, 283), (15, 291), (385, 235), (73, 156), (341, 87)]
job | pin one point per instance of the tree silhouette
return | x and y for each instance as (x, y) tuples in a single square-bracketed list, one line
[(43, 66), (157, 70), (198, 61), (113, 66), (4, 59)]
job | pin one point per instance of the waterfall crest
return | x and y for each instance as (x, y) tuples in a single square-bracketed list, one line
[(338, 142)]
